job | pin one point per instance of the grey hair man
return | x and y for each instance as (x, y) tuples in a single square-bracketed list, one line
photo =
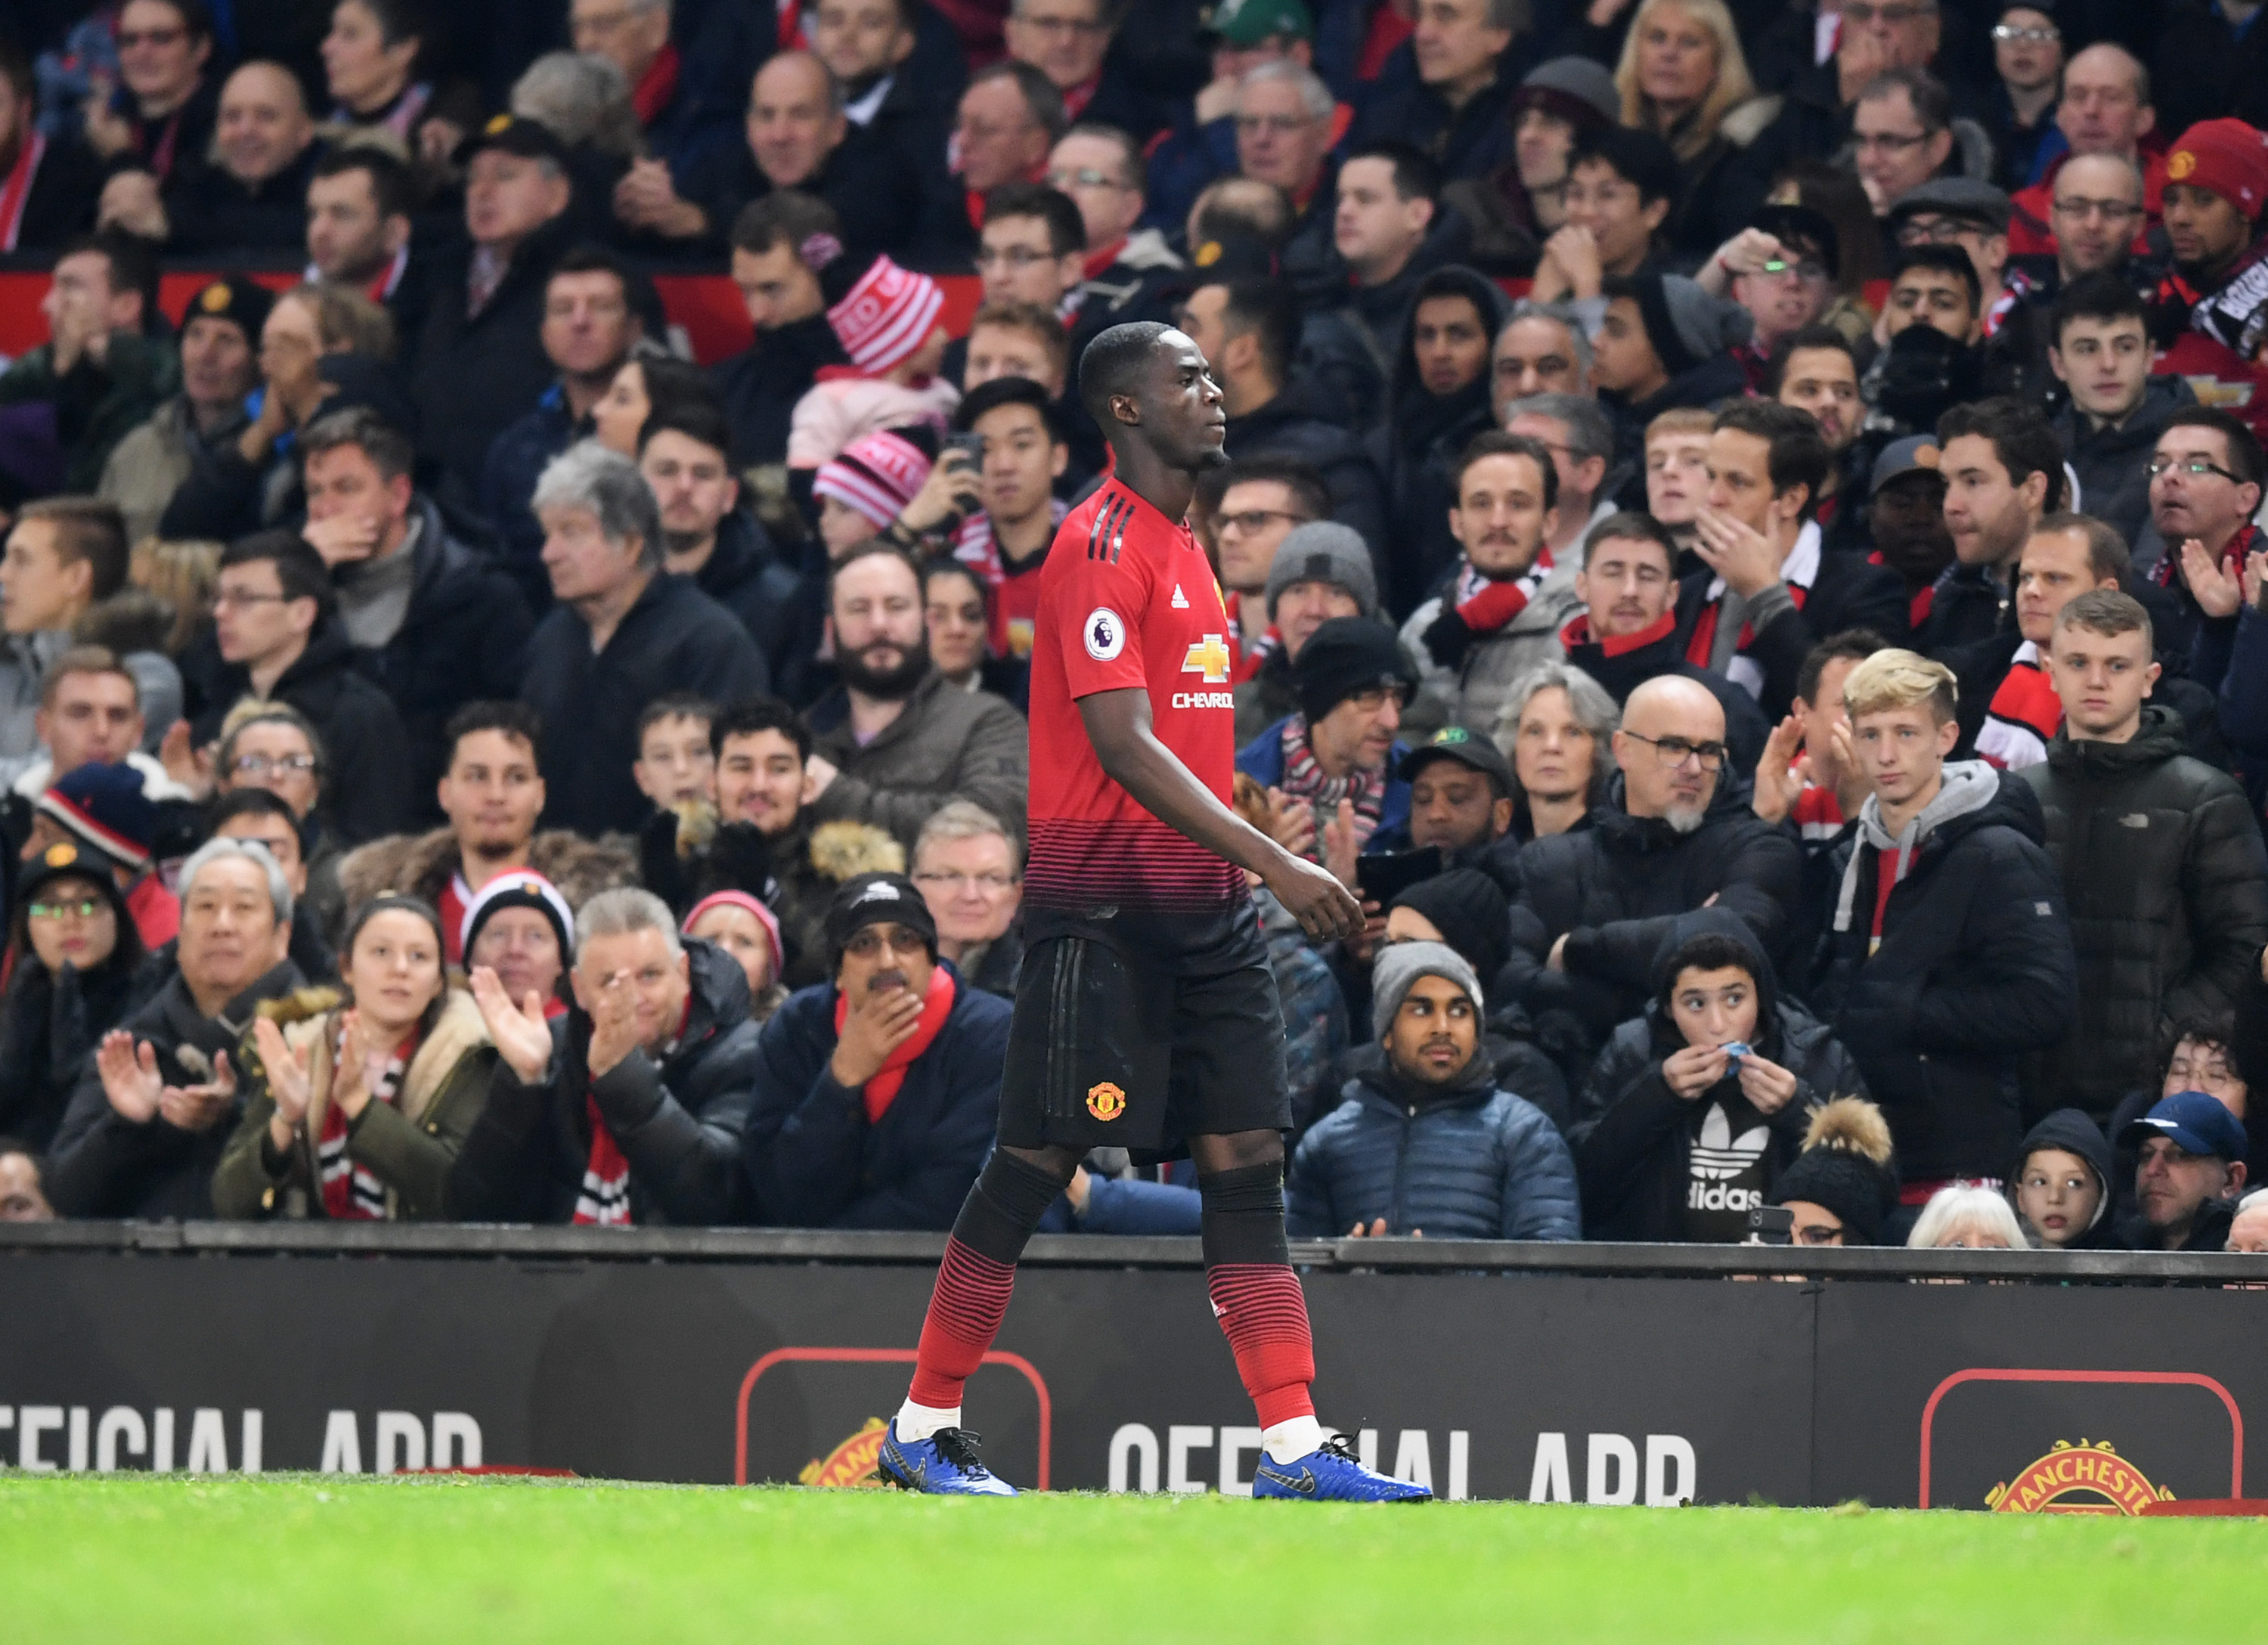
[(622, 635), (1544, 349), (628, 1108), (1580, 437)]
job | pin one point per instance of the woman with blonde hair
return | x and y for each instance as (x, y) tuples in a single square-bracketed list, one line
[(1683, 77)]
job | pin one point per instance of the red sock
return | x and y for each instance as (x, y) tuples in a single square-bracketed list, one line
[(964, 1315), (1263, 1314)]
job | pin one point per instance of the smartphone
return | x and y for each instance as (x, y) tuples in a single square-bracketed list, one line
[(1771, 1225), (1384, 875), (972, 444)]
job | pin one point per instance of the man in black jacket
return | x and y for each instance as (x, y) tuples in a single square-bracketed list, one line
[(1768, 591), (146, 1126), (793, 340), (1250, 330), (2189, 1171), (1675, 832), (625, 631), (2161, 861), (876, 1093), (433, 623), (2100, 348), (659, 1043), (1467, 72), (2003, 470), (480, 362), (707, 537), (1943, 953), (277, 627)]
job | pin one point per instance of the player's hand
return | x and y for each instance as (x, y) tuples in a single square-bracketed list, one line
[(1690, 1072), (879, 1021), (2216, 592), (1313, 896)]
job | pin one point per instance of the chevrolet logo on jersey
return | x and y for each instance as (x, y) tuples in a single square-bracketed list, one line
[(1210, 658)]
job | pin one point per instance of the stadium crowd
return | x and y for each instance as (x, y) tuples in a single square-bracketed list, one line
[(1739, 542)]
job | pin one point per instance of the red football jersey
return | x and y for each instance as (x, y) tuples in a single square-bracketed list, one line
[(1128, 600)]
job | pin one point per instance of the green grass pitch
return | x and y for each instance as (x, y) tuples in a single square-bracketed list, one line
[(290, 1557)]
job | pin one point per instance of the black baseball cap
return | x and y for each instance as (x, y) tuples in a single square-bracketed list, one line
[(1468, 748)]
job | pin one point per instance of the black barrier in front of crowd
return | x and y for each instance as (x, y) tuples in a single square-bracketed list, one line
[(1587, 1373)]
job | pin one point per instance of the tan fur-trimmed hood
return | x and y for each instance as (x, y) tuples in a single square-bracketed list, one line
[(421, 864), (459, 1030)]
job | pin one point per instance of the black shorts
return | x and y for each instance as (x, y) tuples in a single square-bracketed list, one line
[(1105, 1051)]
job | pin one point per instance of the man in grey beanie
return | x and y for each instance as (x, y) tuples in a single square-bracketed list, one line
[(1321, 570), (1425, 1141)]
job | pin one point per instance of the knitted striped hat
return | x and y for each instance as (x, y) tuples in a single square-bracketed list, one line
[(887, 314), (103, 808), (876, 476)]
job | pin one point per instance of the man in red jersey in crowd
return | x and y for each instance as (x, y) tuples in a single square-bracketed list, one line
[(1145, 1014)]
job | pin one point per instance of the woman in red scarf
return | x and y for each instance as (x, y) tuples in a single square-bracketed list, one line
[(358, 1103)]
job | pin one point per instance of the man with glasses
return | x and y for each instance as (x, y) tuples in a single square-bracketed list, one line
[(2205, 479), (1070, 42), (1329, 766), (1675, 832), (1620, 186), (1007, 120), (1262, 500), (971, 875), (1100, 168), (1782, 268), (1286, 126), (2028, 52), (1900, 133), (2105, 112)]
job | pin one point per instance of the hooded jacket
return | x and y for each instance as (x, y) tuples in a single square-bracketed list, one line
[(678, 1122), (106, 1165), (2072, 1131), (1466, 1161), (2167, 887), (1617, 889), (1424, 437), (408, 1144), (813, 1158), (1633, 1137), (1974, 968)]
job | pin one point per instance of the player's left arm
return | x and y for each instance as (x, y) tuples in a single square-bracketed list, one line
[(1118, 725)]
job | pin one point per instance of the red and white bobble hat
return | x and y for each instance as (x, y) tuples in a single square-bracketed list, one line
[(886, 315), (876, 476)]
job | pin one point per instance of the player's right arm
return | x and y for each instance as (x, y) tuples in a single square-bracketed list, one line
[(1118, 725)]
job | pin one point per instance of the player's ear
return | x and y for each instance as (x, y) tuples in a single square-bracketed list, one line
[(1123, 409)]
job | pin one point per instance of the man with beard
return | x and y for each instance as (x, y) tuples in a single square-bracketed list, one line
[(1499, 613), (1627, 633), (2217, 183), (1675, 833), (895, 740)]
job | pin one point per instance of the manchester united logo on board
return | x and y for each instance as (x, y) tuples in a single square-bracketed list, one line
[(2089, 1478), (851, 1464)]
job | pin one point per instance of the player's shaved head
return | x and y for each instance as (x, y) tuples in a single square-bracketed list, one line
[(1115, 364)]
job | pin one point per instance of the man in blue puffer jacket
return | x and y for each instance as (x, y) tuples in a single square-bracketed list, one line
[(1427, 1143)]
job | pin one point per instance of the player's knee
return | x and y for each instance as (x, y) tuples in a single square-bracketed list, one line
[(1237, 1151), (1053, 1158)]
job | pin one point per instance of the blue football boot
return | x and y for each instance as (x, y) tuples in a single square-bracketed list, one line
[(1331, 1473), (943, 1465)]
